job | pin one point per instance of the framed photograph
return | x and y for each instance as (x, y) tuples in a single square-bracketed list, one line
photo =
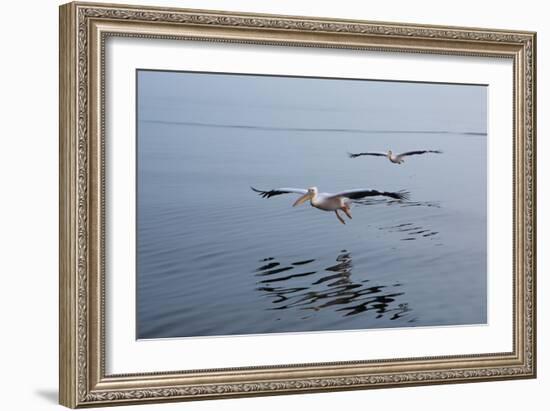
[(260, 204)]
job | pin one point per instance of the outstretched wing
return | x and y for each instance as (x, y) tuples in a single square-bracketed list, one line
[(279, 191), (413, 153), (369, 153), (362, 193)]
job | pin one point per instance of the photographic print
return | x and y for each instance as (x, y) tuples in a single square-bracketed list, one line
[(275, 204)]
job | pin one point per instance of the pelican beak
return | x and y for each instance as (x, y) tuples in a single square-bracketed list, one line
[(302, 199)]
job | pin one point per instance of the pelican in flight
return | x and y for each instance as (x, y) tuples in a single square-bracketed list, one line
[(394, 157), (330, 202)]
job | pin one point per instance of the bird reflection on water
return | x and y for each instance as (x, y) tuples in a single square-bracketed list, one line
[(296, 286)]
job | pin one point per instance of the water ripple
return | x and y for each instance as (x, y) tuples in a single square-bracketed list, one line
[(338, 291)]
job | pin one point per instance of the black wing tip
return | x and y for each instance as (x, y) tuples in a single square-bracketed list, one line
[(401, 195), (261, 193), (412, 153), (352, 155)]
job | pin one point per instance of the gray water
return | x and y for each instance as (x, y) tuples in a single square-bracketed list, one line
[(214, 258)]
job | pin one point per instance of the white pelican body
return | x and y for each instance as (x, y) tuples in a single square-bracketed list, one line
[(330, 202), (395, 158), (324, 201)]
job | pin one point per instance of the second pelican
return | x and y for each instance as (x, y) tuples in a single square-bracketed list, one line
[(395, 158)]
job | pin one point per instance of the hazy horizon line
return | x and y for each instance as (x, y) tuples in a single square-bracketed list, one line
[(310, 129)]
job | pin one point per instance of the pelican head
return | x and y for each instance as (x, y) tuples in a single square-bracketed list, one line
[(310, 195), (389, 153)]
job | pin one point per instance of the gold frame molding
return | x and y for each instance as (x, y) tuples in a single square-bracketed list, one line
[(84, 27)]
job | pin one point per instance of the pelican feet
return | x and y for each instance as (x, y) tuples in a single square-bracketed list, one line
[(339, 218), (347, 210)]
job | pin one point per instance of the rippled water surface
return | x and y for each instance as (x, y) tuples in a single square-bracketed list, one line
[(214, 258)]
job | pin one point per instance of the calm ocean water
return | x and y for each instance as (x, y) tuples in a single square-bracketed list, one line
[(216, 259)]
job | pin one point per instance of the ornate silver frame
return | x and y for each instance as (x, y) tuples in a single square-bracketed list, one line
[(83, 30)]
